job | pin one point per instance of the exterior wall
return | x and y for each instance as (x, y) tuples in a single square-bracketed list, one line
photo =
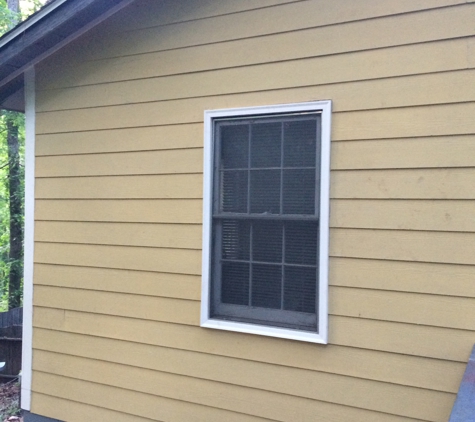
[(118, 211)]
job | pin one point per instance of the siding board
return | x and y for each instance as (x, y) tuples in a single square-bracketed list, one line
[(146, 13), (433, 152), (416, 277), (440, 120), (378, 366), (380, 336), (403, 338), (443, 183), (110, 303), (134, 211), (120, 140), (73, 411), (120, 234), (431, 310), (178, 261), (127, 402), (132, 163), (453, 119), (414, 214), (413, 308), (449, 151), (330, 388), (441, 55), (176, 286), (177, 186), (289, 75), (450, 248), (255, 403), (352, 214), (295, 16)]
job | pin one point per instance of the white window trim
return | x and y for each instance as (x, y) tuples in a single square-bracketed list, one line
[(322, 336)]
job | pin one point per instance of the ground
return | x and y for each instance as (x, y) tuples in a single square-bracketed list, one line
[(10, 402)]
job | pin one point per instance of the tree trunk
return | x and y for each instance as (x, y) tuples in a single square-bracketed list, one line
[(16, 213), (13, 5)]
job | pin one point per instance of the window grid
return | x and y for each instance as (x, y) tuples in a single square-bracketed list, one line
[(283, 263), (219, 212), (221, 215)]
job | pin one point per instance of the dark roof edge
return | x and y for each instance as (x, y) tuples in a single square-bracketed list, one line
[(51, 28), (34, 18)]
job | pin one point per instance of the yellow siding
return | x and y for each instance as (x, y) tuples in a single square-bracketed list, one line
[(144, 139), (269, 394), (179, 261), (418, 277), (350, 95), (179, 286), (373, 365), (444, 55), (123, 405), (289, 19), (143, 211), (119, 211), (164, 187), (384, 336), (152, 235), (133, 163)]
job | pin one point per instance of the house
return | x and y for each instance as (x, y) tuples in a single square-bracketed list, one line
[(243, 211)]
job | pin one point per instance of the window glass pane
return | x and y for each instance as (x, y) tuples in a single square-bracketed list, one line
[(267, 241), (235, 283), (300, 289), (234, 191), (236, 239), (266, 286), (265, 191), (301, 240), (234, 146), (266, 144), (300, 142), (299, 191), (265, 228)]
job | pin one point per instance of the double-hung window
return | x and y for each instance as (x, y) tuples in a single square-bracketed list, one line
[(266, 206)]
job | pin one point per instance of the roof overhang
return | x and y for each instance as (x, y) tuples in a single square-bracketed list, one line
[(43, 33)]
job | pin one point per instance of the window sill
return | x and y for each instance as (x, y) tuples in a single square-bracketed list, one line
[(262, 330)]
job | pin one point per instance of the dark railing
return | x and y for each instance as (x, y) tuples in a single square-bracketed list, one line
[(10, 342)]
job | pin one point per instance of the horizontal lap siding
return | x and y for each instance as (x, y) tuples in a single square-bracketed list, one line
[(119, 211), (270, 396)]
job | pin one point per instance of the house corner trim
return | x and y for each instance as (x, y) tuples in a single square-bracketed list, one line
[(27, 347)]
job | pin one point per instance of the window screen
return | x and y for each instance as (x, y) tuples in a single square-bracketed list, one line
[(265, 222)]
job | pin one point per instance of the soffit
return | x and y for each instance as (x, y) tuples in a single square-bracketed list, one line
[(59, 21)]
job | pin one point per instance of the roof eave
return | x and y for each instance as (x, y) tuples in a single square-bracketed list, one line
[(32, 20), (41, 35)]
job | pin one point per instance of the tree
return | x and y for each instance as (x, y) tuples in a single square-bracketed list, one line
[(12, 183), (15, 178), (15, 256)]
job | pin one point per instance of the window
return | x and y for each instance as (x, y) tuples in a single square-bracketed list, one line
[(265, 229)]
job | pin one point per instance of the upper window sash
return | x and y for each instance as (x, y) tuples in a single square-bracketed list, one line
[(277, 176)]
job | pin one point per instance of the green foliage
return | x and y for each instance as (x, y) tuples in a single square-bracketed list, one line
[(8, 20), (4, 217), (5, 263)]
